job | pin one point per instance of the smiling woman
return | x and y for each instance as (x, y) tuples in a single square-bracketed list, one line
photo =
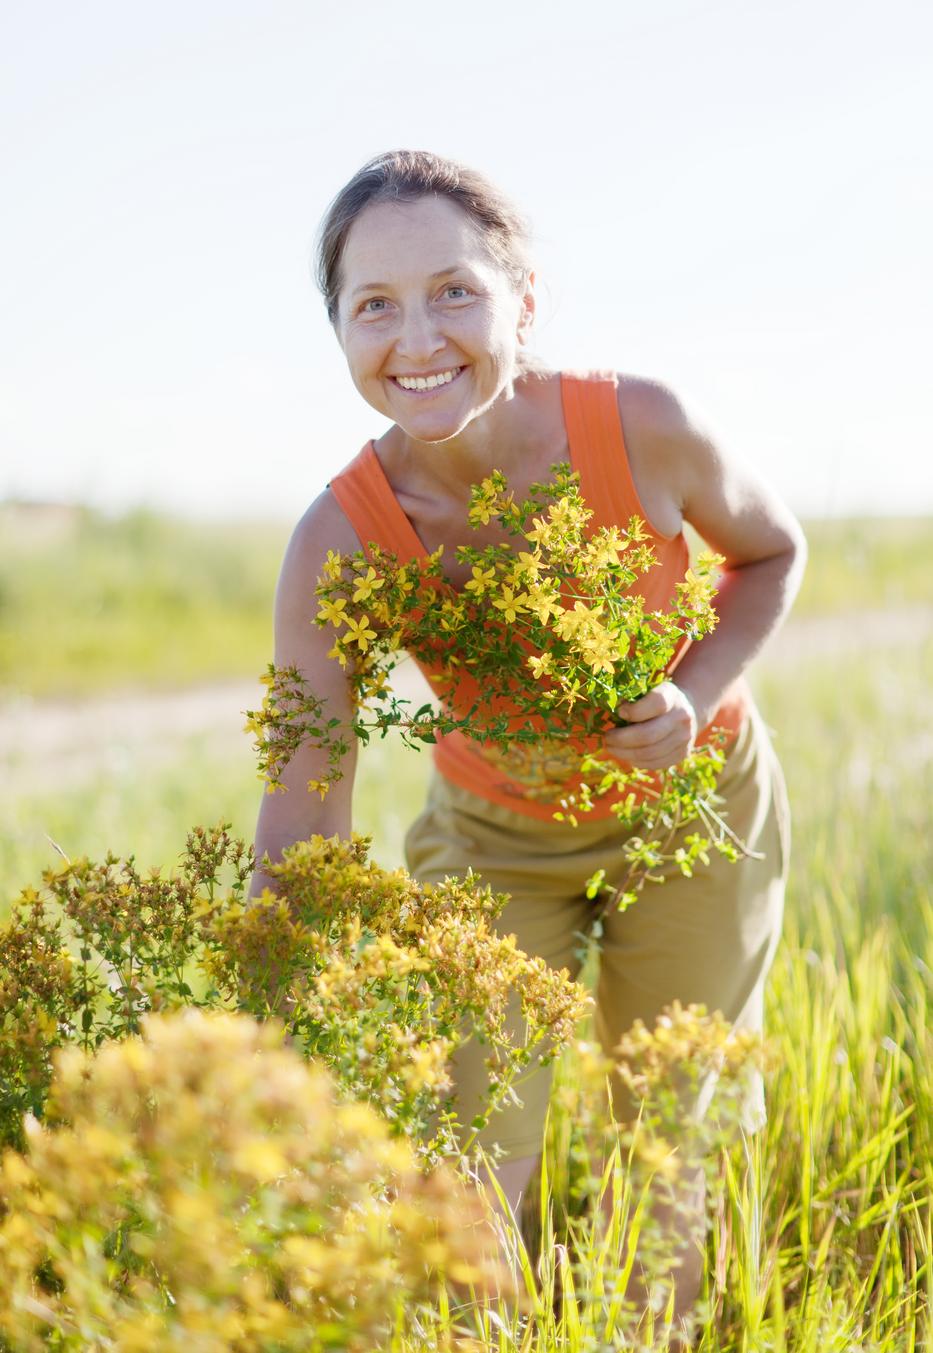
[(436, 341), (425, 270)]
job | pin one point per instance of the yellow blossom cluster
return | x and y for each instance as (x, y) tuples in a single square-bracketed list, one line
[(686, 1045), (551, 624), (383, 978), (377, 977), (198, 1185), (663, 1104)]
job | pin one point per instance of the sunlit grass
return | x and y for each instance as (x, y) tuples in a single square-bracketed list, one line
[(154, 601), (132, 807), (824, 1231), (822, 1235), (92, 603)]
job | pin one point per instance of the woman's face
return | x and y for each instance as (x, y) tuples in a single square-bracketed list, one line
[(421, 299)]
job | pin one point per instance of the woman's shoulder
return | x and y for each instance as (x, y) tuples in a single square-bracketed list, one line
[(650, 405), (663, 439), (654, 406), (323, 526)]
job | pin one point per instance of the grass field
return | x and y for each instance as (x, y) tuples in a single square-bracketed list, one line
[(89, 603), (823, 1233)]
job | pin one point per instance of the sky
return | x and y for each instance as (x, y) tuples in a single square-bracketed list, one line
[(733, 197)]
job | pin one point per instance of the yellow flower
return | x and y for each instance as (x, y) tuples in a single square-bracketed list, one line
[(333, 566), (541, 666), (484, 499), (481, 580), (582, 617), (604, 550), (358, 631), (542, 533), (543, 601), (596, 650), (509, 604), (338, 653), (479, 513), (529, 564), (366, 585), (695, 591), (451, 615), (333, 611), (567, 515)]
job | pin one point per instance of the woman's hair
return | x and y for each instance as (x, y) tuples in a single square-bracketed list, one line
[(406, 176)]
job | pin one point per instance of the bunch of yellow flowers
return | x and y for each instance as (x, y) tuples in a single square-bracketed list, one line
[(551, 627)]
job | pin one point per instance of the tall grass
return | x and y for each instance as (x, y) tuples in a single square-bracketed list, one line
[(822, 1235)]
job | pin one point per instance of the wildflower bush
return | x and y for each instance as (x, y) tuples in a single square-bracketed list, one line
[(199, 1186), (375, 976), (553, 635)]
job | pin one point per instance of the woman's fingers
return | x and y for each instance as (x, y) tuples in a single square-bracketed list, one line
[(660, 731), (656, 755)]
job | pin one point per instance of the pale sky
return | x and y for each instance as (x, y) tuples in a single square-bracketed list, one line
[(734, 197)]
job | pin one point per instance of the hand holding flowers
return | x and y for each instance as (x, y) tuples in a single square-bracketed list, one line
[(552, 629)]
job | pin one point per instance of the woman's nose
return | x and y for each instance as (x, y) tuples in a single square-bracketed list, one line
[(419, 337)]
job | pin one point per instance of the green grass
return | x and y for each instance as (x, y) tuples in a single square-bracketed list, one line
[(145, 809), (825, 1232), (823, 1237), (94, 603), (89, 603), (867, 564)]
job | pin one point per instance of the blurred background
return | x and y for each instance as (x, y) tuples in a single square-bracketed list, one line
[(735, 198)]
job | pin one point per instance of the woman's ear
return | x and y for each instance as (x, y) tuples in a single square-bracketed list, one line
[(527, 315)]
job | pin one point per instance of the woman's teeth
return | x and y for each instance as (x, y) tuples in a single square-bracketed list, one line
[(428, 382)]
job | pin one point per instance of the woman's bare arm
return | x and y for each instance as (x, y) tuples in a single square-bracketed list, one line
[(684, 475), (299, 813)]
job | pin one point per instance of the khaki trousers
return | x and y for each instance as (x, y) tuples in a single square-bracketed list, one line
[(708, 939)]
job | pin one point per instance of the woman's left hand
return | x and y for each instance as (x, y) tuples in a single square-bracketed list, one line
[(662, 727)]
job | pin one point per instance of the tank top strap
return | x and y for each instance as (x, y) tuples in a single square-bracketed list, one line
[(372, 509), (597, 446)]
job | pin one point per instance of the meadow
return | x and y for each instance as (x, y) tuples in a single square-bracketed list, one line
[(823, 1234)]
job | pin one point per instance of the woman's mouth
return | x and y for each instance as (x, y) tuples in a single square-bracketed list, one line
[(427, 385)]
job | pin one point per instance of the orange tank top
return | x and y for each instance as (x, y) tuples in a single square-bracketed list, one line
[(533, 779)]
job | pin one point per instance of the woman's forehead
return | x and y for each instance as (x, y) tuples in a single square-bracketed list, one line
[(428, 235)]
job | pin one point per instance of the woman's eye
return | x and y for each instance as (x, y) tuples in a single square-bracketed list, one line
[(455, 286), (373, 306)]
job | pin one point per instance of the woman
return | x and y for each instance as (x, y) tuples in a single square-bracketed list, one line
[(424, 267)]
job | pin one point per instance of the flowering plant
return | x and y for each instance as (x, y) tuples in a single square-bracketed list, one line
[(198, 1185), (377, 977), (551, 635)]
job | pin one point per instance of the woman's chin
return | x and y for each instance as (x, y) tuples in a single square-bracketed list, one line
[(431, 434)]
